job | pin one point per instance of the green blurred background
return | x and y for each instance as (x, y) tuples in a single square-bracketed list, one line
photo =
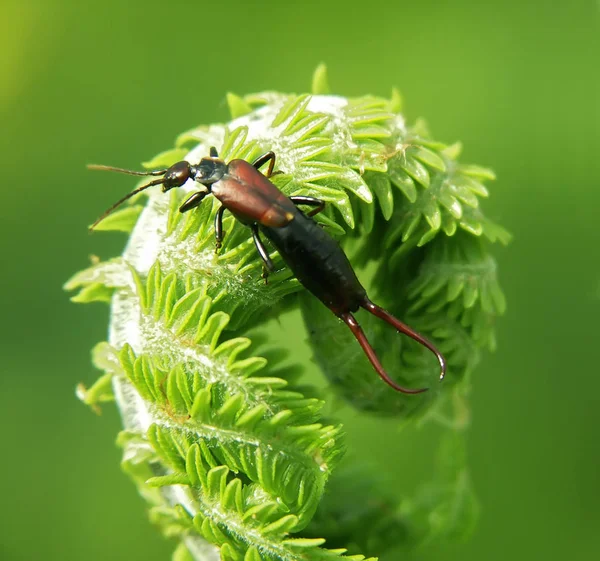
[(116, 81)]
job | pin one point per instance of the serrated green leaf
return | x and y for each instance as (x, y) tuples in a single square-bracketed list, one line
[(291, 110), (122, 220), (252, 554), (396, 101), (381, 186), (427, 237), (320, 84), (451, 204), (212, 329), (93, 293), (404, 182), (282, 526), (228, 553), (237, 106), (302, 128), (230, 408), (415, 169), (167, 480), (233, 143), (453, 151), (478, 172), (429, 158), (100, 392), (201, 409)]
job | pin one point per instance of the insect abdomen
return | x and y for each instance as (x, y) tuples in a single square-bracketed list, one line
[(318, 262)]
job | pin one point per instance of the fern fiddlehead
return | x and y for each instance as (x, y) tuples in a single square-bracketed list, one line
[(233, 461)]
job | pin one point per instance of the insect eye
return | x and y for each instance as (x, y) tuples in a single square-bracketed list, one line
[(176, 175)]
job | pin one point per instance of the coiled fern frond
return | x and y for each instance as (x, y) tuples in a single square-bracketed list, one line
[(233, 458)]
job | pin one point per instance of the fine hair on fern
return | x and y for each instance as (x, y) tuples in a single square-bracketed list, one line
[(235, 459)]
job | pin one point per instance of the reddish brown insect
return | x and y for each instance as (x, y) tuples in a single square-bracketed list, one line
[(310, 252)]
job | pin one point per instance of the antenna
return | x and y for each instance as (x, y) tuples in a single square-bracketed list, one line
[(129, 195)]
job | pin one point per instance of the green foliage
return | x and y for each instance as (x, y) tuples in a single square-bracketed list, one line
[(233, 459), (122, 220)]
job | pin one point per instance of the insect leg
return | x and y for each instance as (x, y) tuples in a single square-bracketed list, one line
[(310, 201), (262, 160), (403, 328), (219, 227), (193, 201), (357, 331), (262, 251)]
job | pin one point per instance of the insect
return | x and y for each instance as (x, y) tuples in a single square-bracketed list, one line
[(315, 258)]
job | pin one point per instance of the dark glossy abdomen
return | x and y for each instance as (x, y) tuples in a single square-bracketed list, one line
[(318, 263)]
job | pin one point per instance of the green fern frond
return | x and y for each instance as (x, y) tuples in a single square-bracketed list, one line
[(460, 278), (98, 282), (439, 195), (232, 458), (275, 446)]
